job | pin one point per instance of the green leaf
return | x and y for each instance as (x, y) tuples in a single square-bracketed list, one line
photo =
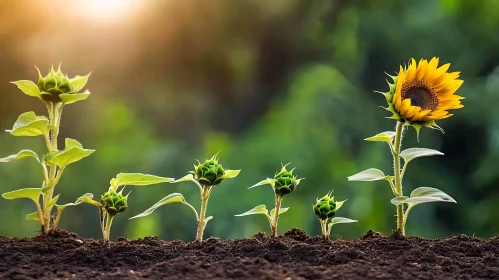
[(72, 153), (188, 177), (33, 217), (31, 193), (52, 202), (86, 198), (423, 195), (230, 174), (267, 181), (339, 204), (281, 210), (339, 220), (260, 209), (413, 153), (22, 154), (29, 124), (79, 82), (138, 179), (371, 174), (172, 198), (28, 87), (70, 98), (386, 136)]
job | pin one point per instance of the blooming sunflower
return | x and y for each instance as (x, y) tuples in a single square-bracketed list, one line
[(423, 93)]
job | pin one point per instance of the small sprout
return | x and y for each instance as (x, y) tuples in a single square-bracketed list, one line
[(284, 182), (113, 202), (206, 176), (325, 208), (56, 90)]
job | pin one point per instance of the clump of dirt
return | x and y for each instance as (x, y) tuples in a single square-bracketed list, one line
[(294, 255)]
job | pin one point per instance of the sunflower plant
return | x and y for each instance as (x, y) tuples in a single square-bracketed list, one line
[(284, 182), (325, 209), (56, 90), (113, 201), (206, 176), (421, 94)]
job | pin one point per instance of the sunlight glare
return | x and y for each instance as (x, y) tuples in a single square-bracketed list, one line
[(104, 10)]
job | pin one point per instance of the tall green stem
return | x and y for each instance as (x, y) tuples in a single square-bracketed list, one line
[(107, 231), (278, 200), (205, 195), (398, 178)]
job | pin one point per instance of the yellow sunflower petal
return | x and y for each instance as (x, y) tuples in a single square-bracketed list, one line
[(420, 115), (406, 103), (422, 68), (411, 71)]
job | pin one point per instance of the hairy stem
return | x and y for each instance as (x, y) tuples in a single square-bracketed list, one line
[(278, 200), (205, 195), (398, 178)]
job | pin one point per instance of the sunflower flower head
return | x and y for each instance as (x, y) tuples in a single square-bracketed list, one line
[(423, 93)]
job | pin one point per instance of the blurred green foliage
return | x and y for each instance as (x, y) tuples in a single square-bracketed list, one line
[(260, 82)]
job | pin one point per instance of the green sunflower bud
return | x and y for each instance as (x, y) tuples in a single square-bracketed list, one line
[(114, 202), (325, 207), (209, 173), (53, 85), (285, 182)]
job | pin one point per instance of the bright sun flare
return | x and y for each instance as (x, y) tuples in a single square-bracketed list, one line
[(104, 10)]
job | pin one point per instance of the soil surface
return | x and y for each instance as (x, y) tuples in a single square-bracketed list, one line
[(295, 255)]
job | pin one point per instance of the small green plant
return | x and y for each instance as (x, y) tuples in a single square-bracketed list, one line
[(56, 90), (284, 182), (206, 176), (420, 95), (325, 208), (113, 201)]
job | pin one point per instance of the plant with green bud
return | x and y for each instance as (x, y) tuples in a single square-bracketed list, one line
[(284, 182), (55, 90), (325, 209), (206, 176), (113, 201)]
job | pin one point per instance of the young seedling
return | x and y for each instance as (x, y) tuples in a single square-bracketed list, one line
[(56, 90), (206, 176), (284, 182), (113, 201), (420, 95), (325, 208)]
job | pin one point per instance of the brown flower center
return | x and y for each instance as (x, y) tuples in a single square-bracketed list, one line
[(421, 94)]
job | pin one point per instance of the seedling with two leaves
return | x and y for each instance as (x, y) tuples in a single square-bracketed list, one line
[(206, 176), (284, 182), (113, 201), (325, 208), (56, 90)]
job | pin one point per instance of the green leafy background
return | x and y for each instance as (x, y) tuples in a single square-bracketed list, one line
[(260, 82)]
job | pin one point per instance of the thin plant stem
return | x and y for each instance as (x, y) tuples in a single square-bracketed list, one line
[(278, 200), (109, 222), (324, 228), (205, 195), (398, 178)]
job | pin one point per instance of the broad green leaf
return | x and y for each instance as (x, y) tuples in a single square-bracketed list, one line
[(231, 174), (339, 204), (33, 217), (339, 220), (423, 195), (138, 179), (188, 177), (371, 174), (386, 136), (413, 153), (22, 154), (71, 154), (281, 210), (260, 209), (172, 198), (267, 181), (28, 87), (399, 200), (70, 143), (29, 124), (70, 98), (79, 82), (31, 193)]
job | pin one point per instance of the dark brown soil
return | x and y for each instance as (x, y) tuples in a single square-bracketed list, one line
[(295, 255)]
